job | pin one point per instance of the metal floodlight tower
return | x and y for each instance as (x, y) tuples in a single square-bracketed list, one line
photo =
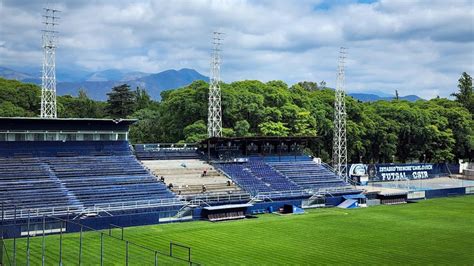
[(340, 139), (48, 78), (214, 122)]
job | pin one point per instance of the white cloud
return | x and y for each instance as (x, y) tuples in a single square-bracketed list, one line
[(417, 47)]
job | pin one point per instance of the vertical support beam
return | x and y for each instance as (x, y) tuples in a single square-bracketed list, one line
[(43, 241), (189, 254), (14, 238), (156, 258), (101, 249), (28, 241), (1, 236), (80, 247), (126, 253), (61, 244)]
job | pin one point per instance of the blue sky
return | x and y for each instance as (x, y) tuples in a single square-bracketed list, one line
[(415, 47)]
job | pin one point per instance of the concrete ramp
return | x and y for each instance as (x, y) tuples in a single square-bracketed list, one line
[(297, 210), (348, 204)]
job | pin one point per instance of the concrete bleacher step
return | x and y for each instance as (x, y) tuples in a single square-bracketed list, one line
[(187, 176), (198, 190)]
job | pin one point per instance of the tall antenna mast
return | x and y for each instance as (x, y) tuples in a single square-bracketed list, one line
[(48, 78), (340, 140), (214, 122)]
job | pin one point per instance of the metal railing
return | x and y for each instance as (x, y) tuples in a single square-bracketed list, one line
[(18, 213), (331, 190), (218, 197), (139, 204), (167, 147), (282, 194), (330, 168)]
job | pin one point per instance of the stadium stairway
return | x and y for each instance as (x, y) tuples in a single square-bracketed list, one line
[(71, 197), (25, 183), (102, 180)]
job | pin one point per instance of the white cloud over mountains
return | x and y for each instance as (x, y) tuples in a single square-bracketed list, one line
[(417, 47)]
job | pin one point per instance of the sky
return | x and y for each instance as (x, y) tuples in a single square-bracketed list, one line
[(415, 47)]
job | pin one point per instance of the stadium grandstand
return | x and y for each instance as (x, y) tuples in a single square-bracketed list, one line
[(85, 173), (86, 168), (74, 167)]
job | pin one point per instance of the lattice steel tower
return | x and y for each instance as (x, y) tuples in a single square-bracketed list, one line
[(214, 122), (48, 78), (340, 140)]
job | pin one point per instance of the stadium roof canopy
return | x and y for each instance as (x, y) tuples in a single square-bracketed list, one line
[(254, 145), (256, 139), (64, 124), (228, 206)]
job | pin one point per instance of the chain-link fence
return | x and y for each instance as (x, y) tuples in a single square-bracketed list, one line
[(44, 241)]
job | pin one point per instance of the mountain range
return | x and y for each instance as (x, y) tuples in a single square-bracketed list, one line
[(369, 97), (98, 84)]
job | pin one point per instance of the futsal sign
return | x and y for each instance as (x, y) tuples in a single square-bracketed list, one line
[(393, 172)]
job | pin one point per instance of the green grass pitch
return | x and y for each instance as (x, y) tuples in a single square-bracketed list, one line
[(438, 231)]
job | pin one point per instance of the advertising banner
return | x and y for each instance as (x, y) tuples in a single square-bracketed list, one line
[(394, 172)]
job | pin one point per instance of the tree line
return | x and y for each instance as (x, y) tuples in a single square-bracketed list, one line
[(436, 130)]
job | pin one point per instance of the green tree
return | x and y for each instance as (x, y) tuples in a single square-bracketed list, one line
[(146, 129), (228, 132), (305, 125), (143, 98), (121, 101), (80, 107), (23, 95), (195, 132), (241, 128), (309, 85), (465, 95), (273, 129), (8, 109), (322, 84)]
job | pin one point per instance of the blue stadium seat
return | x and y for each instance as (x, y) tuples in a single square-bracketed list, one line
[(309, 175), (257, 177), (74, 174), (281, 174)]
